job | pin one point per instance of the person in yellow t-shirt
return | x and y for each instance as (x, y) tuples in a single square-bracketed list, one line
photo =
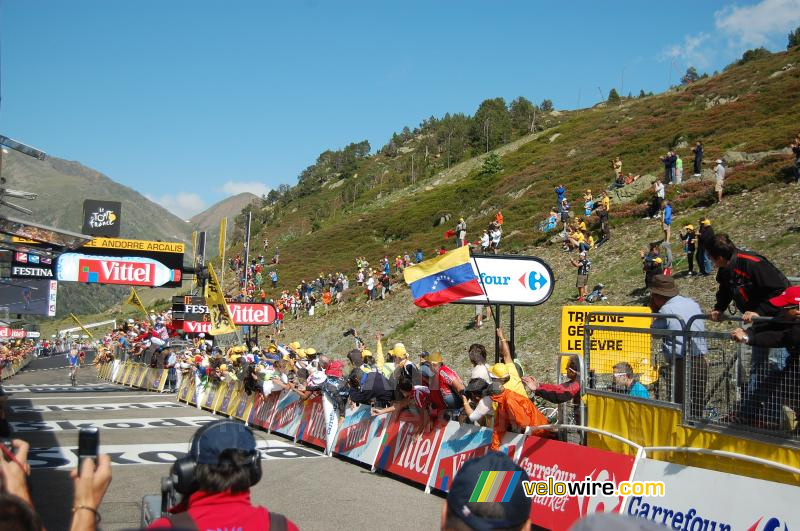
[(507, 371)]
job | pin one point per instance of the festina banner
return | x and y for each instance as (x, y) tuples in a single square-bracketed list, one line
[(252, 314), (128, 271)]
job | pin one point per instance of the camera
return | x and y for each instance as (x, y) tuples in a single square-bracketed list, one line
[(155, 506), (349, 332)]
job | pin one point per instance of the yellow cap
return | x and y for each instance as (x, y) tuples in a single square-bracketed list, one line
[(310, 351), (272, 348), (499, 370), (295, 345), (706, 222), (689, 227), (223, 367), (366, 353), (301, 353), (399, 351), (435, 357)]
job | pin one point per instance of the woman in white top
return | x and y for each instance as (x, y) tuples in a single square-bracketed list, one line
[(477, 356)]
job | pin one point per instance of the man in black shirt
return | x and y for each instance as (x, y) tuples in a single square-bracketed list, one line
[(698, 158), (602, 215), (796, 150), (704, 237)]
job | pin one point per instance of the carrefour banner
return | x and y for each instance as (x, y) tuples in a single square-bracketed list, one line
[(361, 434), (544, 458), (518, 280), (696, 498)]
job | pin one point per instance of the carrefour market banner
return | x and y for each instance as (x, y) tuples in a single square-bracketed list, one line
[(543, 458), (361, 434), (696, 498)]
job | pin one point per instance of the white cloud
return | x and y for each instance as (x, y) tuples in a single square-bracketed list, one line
[(184, 205), (754, 25), (238, 187), (690, 51)]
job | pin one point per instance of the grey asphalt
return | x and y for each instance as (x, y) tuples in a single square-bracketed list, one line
[(316, 492)]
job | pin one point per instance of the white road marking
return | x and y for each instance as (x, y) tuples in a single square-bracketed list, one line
[(21, 426)]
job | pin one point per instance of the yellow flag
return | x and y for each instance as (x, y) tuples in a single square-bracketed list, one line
[(81, 325), (134, 299), (221, 320), (223, 226)]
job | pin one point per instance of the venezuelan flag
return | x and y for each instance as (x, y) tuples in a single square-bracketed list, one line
[(443, 279)]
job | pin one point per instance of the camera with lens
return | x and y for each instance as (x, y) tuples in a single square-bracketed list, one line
[(349, 332)]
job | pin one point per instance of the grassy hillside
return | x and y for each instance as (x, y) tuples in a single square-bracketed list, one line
[(208, 220), (747, 115), (749, 109)]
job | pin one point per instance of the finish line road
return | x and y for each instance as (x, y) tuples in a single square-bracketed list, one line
[(144, 433)]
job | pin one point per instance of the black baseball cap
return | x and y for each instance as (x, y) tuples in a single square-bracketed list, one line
[(216, 437), (517, 508)]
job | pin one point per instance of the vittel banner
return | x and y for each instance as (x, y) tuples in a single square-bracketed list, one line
[(252, 314), (128, 271)]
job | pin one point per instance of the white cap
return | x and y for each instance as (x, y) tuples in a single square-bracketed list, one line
[(719, 161), (582, 253)]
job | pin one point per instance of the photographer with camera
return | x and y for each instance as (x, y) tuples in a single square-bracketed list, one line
[(214, 481), (16, 507)]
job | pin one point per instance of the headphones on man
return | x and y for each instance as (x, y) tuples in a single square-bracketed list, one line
[(184, 469)]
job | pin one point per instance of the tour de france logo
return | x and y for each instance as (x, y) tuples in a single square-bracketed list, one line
[(102, 218)]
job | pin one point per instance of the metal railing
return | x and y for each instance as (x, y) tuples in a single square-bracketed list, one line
[(649, 353), (718, 382)]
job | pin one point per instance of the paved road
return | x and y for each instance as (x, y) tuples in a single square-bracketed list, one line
[(144, 432)]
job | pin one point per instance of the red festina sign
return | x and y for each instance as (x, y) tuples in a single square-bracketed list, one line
[(252, 314), (196, 327)]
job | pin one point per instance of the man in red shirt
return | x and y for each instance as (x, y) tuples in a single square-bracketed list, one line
[(445, 386), (226, 464)]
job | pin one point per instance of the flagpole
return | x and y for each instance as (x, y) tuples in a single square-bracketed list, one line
[(480, 280)]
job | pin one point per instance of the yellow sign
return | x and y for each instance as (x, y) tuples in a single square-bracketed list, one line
[(17, 239), (221, 320), (136, 245), (606, 348)]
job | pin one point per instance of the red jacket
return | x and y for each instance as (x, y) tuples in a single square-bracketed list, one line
[(221, 510)]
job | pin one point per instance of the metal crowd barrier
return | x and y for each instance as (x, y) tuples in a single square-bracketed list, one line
[(737, 386), (718, 382), (649, 352)]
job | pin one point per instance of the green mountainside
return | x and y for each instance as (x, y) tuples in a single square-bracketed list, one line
[(373, 206), (349, 204)]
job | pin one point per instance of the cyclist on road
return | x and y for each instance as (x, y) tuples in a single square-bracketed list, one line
[(74, 362)]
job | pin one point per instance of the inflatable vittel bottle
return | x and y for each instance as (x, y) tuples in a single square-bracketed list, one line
[(130, 271)]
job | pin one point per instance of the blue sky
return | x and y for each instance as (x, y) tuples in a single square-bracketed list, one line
[(191, 101)]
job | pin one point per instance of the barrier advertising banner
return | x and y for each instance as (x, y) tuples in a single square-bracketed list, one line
[(312, 429), (463, 442), (263, 409), (243, 407), (407, 455), (696, 498), (360, 435), (210, 396), (156, 379), (543, 458), (286, 419), (226, 397), (256, 314), (184, 391)]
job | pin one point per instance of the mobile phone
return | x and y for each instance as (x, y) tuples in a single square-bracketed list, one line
[(88, 444)]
